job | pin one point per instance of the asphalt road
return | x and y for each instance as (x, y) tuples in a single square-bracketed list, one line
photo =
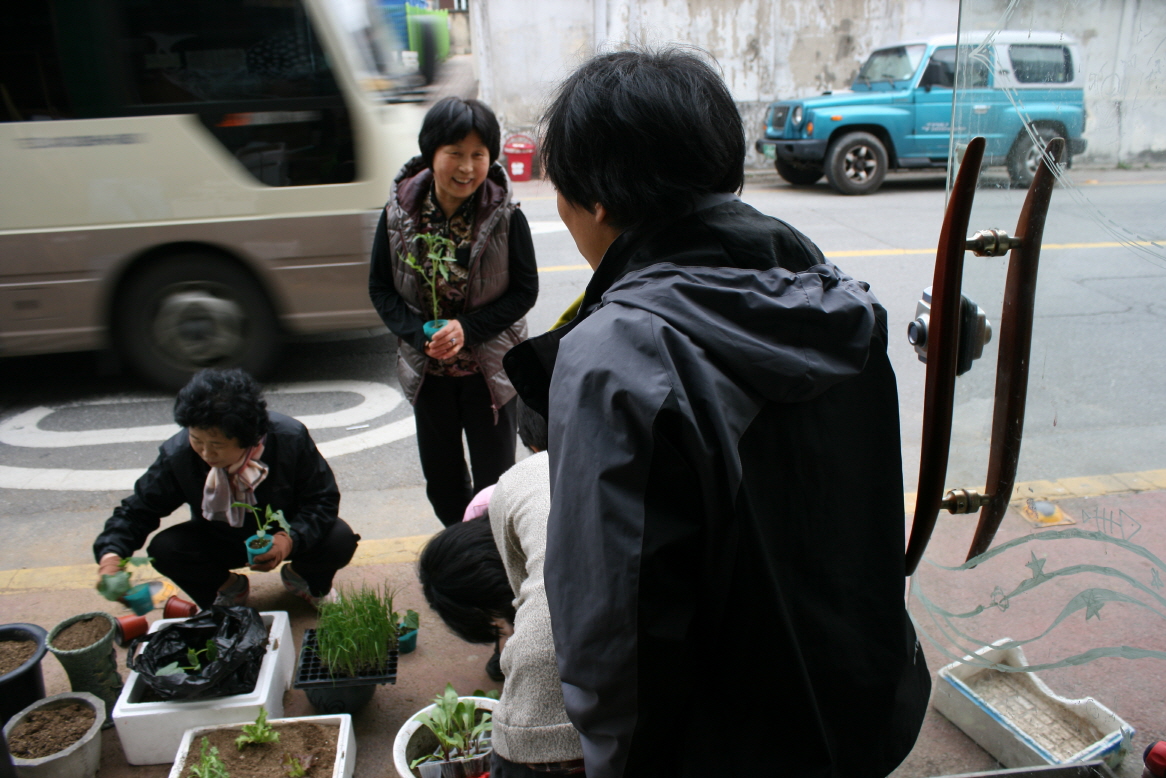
[(74, 431)]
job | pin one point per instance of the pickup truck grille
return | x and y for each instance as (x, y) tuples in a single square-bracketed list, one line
[(777, 117)]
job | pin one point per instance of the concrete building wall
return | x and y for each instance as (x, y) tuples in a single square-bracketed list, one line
[(769, 49)]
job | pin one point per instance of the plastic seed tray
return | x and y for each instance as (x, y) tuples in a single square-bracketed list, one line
[(311, 674)]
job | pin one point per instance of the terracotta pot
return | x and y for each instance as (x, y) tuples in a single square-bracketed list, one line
[(178, 608), (130, 627)]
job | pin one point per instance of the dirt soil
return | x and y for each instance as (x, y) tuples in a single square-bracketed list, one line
[(265, 760), (14, 653), (45, 732), (80, 634)]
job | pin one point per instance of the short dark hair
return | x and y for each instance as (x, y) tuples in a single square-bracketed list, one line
[(643, 133), (452, 119), (532, 427), (464, 580), (229, 400)]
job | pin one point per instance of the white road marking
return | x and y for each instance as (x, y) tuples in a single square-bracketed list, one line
[(22, 430), (542, 228)]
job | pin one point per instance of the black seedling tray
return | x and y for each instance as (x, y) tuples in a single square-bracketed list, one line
[(310, 673)]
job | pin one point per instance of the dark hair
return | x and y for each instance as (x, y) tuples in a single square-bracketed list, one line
[(643, 133), (230, 400), (452, 119), (532, 427), (464, 580)]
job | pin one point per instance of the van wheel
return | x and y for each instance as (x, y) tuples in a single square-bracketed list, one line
[(856, 164), (192, 311), (798, 173), (1025, 156)]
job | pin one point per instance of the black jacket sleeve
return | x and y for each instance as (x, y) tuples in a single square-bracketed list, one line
[(519, 297), (157, 494), (303, 485), (388, 302)]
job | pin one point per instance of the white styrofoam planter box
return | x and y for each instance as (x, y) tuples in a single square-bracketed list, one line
[(1016, 718), (345, 741), (151, 731)]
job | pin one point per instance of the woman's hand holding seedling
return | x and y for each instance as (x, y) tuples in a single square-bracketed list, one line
[(281, 548), (113, 579), (447, 342)]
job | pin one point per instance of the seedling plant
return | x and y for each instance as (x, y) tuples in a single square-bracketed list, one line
[(194, 660), (270, 517), (355, 633), (210, 764), (406, 625), (297, 765), (459, 725), (439, 251), (259, 732), (114, 587)]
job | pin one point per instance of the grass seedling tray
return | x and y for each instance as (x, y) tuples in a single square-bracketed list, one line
[(311, 674)]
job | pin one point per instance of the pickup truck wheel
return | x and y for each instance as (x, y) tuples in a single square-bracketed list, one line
[(798, 173), (191, 311), (1024, 158), (856, 164)]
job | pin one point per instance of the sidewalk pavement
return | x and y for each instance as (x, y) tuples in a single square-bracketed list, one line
[(1131, 688)]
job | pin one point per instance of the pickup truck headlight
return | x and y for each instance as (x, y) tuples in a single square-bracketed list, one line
[(796, 116)]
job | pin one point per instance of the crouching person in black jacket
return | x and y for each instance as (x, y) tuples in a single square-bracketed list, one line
[(232, 449)]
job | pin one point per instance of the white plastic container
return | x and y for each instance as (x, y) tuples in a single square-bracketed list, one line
[(150, 732), (401, 749), (345, 741), (1016, 718)]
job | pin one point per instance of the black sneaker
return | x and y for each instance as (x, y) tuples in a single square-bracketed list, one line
[(494, 667)]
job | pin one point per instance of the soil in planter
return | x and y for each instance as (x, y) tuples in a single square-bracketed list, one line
[(14, 653), (258, 543), (80, 634), (265, 760), (45, 732)]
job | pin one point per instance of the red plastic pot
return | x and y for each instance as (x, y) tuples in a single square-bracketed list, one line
[(129, 627), (178, 608)]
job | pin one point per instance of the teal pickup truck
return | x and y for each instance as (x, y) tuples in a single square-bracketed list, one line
[(1020, 89)]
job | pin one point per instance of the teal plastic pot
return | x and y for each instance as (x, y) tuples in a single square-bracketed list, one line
[(140, 599), (254, 552), (431, 327), (407, 643)]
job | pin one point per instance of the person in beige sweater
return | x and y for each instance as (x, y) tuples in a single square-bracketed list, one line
[(484, 577)]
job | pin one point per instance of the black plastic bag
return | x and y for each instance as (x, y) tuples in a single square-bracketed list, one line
[(240, 641)]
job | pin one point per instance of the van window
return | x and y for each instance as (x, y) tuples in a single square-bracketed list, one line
[(1041, 64)]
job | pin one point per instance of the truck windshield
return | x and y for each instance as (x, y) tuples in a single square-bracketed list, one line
[(889, 65)]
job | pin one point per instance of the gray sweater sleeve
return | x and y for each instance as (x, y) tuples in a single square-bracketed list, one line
[(530, 722)]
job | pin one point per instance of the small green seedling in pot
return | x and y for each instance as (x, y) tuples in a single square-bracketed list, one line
[(210, 764), (406, 625), (297, 765), (194, 659), (259, 732), (270, 517), (458, 725), (114, 587), (439, 252)]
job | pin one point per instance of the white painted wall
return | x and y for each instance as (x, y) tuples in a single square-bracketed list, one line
[(771, 49)]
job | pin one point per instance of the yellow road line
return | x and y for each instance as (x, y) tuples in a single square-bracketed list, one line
[(405, 550)]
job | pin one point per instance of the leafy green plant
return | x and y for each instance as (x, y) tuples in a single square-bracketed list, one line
[(405, 625), (194, 659), (439, 252), (259, 732), (354, 633), (270, 517), (113, 587), (210, 764), (458, 725), (297, 765)]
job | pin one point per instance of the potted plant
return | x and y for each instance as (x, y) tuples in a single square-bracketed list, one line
[(117, 587), (439, 252), (84, 646), (447, 739), (57, 736), (22, 646), (407, 628), (260, 543), (306, 747), (352, 649)]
